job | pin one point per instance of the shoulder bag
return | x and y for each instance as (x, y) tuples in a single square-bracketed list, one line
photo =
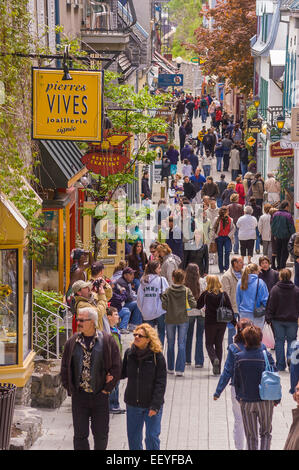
[(258, 312), (224, 314)]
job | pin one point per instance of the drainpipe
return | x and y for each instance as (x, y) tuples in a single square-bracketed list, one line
[(57, 23)]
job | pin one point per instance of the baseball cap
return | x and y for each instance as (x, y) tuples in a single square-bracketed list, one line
[(78, 285), (128, 271), (77, 253)]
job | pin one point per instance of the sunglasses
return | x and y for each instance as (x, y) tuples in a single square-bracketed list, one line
[(80, 320), (137, 335)]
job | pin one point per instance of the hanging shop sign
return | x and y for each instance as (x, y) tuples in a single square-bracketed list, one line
[(67, 109), (165, 113), (254, 126), (275, 134), (276, 151), (170, 79), (110, 156), (155, 139)]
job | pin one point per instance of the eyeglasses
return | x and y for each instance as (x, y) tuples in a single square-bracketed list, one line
[(137, 335), (81, 320)]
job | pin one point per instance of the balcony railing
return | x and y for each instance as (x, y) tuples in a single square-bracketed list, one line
[(101, 18)]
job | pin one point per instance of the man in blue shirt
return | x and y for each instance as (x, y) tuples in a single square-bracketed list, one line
[(198, 180)]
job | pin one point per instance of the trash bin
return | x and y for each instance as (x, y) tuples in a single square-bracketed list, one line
[(7, 404)]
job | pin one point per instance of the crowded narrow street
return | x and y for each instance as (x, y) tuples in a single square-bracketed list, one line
[(149, 228)]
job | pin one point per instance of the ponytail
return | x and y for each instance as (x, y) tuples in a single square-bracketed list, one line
[(250, 269)]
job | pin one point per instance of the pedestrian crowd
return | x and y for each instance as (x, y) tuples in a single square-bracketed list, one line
[(164, 295)]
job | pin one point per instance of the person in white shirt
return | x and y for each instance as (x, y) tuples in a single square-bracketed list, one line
[(247, 232), (272, 187)]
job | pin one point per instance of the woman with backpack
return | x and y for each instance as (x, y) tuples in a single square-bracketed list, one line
[(152, 285), (213, 298), (197, 285), (252, 295), (223, 230), (249, 367), (228, 375), (177, 300)]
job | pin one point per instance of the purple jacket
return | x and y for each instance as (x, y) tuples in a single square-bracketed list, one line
[(173, 156)]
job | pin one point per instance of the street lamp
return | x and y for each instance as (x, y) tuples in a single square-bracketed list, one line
[(280, 122)]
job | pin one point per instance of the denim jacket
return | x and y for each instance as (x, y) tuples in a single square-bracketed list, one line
[(229, 366)]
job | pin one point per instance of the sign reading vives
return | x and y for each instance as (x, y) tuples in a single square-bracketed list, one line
[(67, 109)]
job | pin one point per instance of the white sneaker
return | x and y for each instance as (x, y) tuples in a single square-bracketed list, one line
[(170, 371), (179, 374)]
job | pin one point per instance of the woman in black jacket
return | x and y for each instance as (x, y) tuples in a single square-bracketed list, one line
[(145, 367), (211, 299), (283, 312), (137, 260)]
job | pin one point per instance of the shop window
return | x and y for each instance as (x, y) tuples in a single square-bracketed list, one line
[(8, 307), (47, 273), (27, 308)]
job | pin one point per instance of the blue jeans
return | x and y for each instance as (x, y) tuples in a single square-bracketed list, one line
[(114, 398), (160, 322), (296, 280), (136, 284), (206, 170), (181, 355), (200, 327), (224, 244), (244, 170), (124, 315), (219, 202), (231, 331), (204, 114), (136, 418), (135, 314), (219, 163), (283, 331), (235, 173), (236, 243), (258, 240)]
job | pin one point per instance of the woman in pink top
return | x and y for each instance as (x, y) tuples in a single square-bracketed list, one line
[(240, 190)]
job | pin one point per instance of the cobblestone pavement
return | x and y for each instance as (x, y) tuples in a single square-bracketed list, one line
[(192, 420)]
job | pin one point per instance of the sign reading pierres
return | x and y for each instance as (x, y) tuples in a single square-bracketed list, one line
[(67, 109)]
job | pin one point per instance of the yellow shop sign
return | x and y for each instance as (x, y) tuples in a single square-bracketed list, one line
[(67, 109)]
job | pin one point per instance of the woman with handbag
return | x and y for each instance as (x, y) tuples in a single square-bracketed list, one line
[(214, 299), (197, 285), (152, 285), (177, 300), (252, 296)]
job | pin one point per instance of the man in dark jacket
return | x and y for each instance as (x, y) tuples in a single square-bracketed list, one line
[(282, 227), (175, 238), (182, 135), (90, 369), (145, 189), (189, 189), (209, 141), (226, 146), (210, 188), (243, 159)]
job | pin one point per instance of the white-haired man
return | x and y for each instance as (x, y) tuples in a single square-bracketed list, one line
[(90, 369)]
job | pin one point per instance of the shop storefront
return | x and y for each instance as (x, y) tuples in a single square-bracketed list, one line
[(16, 351)]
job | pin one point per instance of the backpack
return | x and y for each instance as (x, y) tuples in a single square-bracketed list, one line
[(270, 386), (296, 245)]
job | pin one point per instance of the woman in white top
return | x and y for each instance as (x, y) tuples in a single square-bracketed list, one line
[(247, 232)]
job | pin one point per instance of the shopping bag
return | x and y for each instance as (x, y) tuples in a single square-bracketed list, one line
[(268, 337)]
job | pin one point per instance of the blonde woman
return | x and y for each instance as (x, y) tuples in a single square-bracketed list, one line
[(211, 299), (145, 368), (250, 291), (169, 261)]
